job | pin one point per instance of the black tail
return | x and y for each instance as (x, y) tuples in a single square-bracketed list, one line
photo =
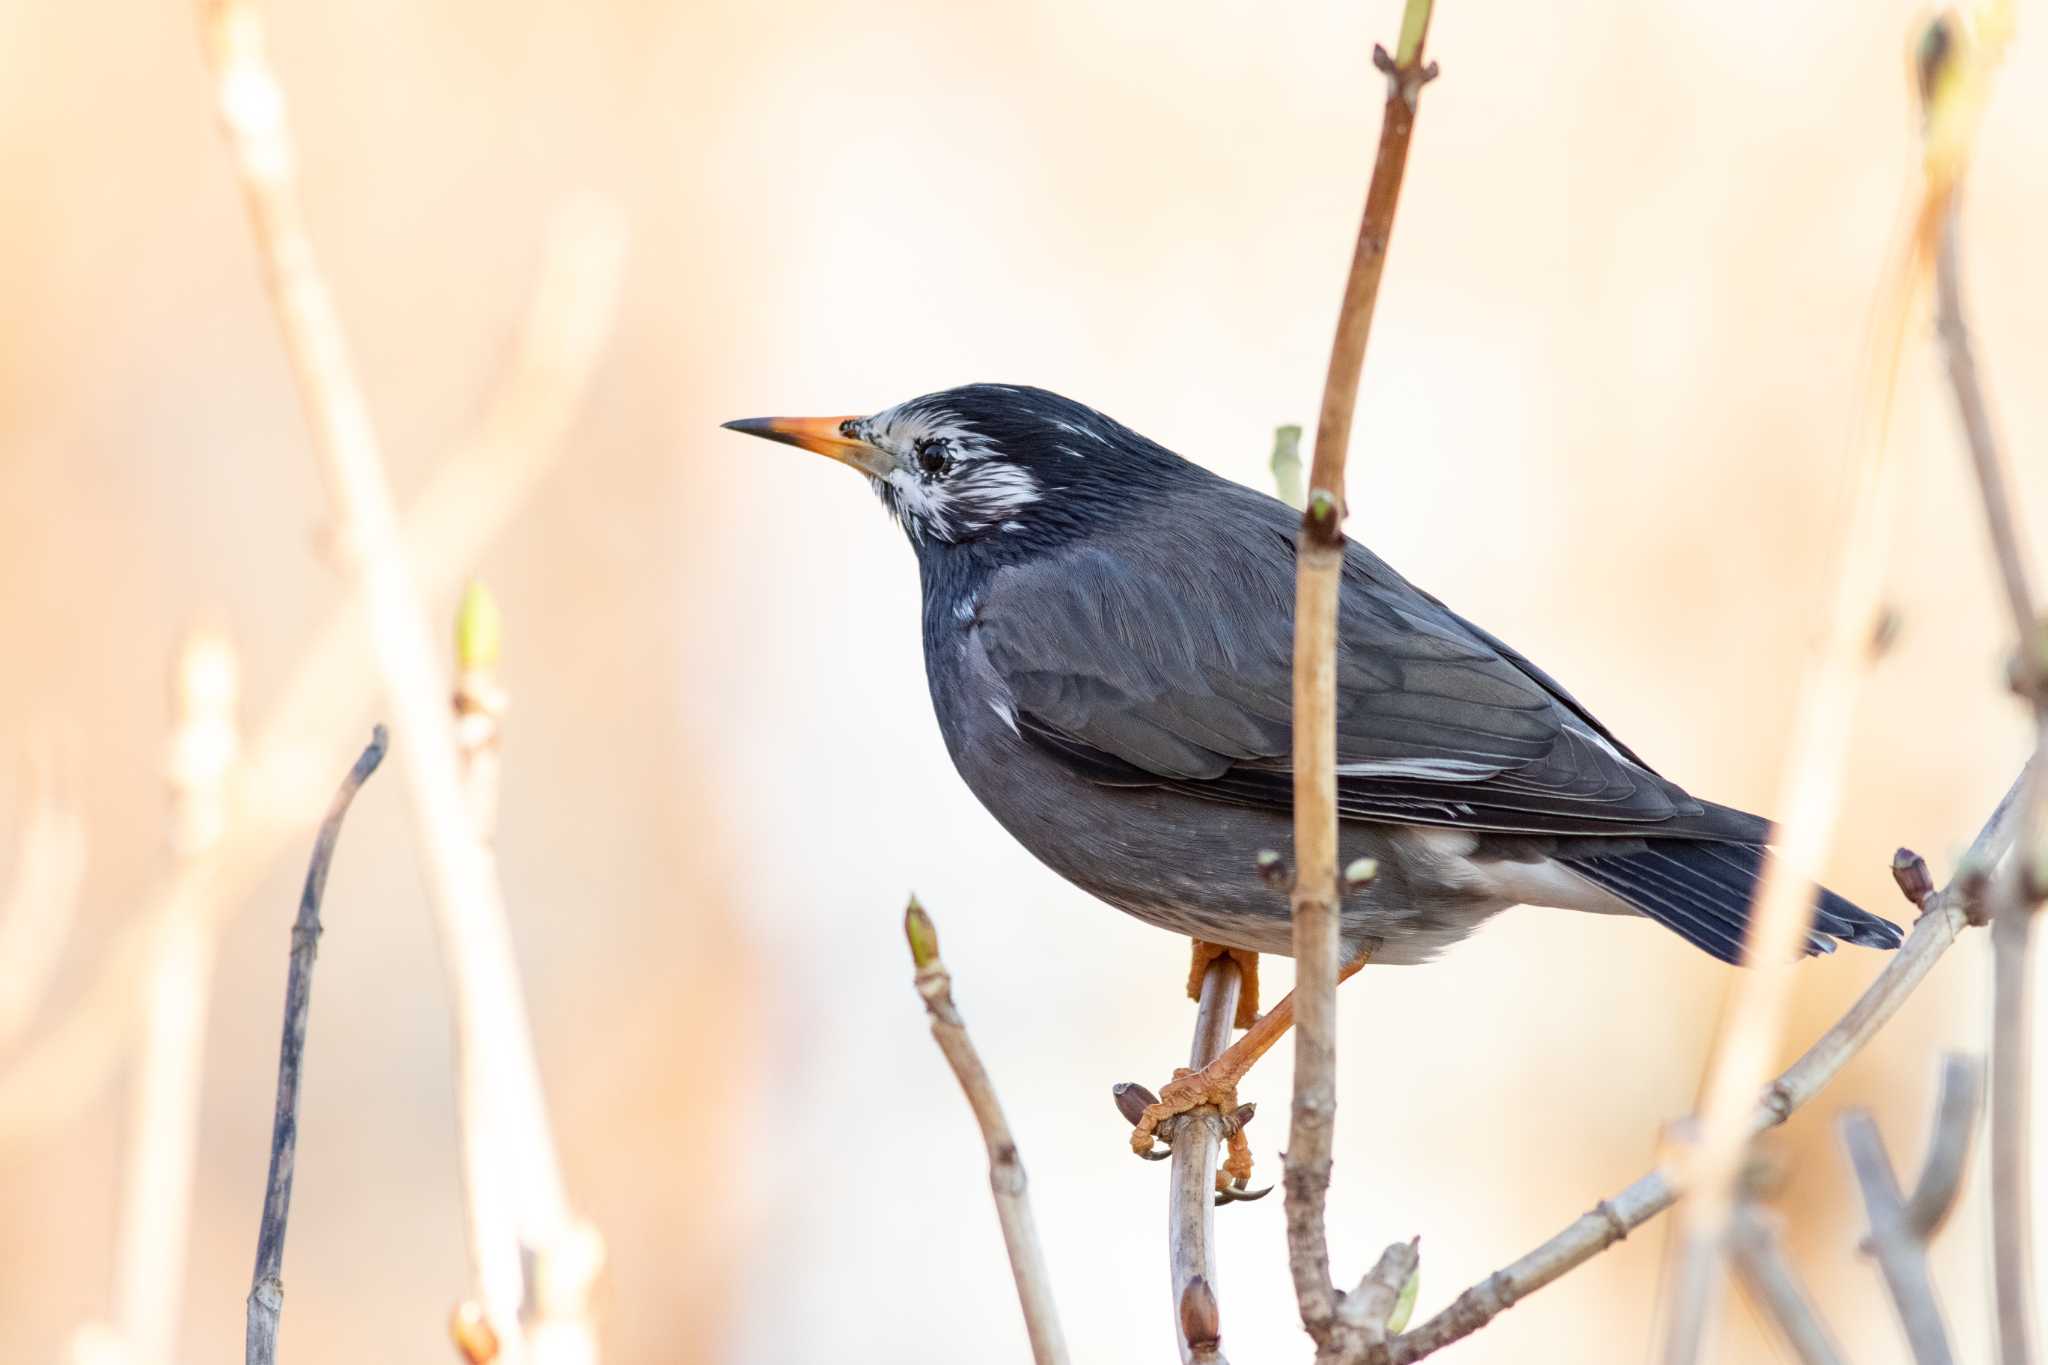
[(1702, 891)]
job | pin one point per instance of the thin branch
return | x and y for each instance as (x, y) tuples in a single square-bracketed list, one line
[(1816, 763), (278, 791), (1317, 897), (1900, 1254), (1191, 1201), (508, 1143), (1993, 483), (2012, 1214), (1363, 1315), (1005, 1166), (266, 1286), (1945, 915), (1955, 67), (1940, 1183), (161, 1152), (1761, 1263)]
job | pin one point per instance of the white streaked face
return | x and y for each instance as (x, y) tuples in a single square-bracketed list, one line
[(947, 480)]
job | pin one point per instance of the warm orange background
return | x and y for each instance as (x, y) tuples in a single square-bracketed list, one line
[(1604, 413)]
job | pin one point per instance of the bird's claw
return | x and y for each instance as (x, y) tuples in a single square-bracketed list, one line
[(1155, 1118)]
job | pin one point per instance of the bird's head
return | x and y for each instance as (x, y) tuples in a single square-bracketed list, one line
[(984, 463)]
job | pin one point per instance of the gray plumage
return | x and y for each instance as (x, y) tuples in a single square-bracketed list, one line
[(1108, 640)]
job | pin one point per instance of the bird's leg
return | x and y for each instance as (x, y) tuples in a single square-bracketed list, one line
[(1247, 962), (1216, 1083)]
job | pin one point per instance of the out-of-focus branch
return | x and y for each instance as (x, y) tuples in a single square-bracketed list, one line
[(1753, 1245), (1816, 762), (508, 1144), (1817, 759), (278, 789), (41, 898), (1286, 466), (266, 1286), (1902, 1226), (1940, 1183), (1317, 897), (1944, 915), (1956, 61), (480, 703), (1191, 1200), (1005, 1167), (161, 1149), (1900, 1254)]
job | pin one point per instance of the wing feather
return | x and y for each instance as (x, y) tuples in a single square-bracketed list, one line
[(1167, 662)]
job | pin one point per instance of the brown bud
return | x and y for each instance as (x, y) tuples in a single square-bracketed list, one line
[(1200, 1321), (1909, 870), (1132, 1100)]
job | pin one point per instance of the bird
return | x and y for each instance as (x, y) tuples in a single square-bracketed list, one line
[(1108, 633)]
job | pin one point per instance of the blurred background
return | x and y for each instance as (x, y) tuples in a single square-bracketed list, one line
[(1614, 365)]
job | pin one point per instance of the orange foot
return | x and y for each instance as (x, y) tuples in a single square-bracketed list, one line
[(1247, 962), (1216, 1084)]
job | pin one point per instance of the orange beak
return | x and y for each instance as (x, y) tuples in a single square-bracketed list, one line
[(825, 436)]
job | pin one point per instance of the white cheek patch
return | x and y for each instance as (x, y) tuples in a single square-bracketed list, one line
[(978, 495), (981, 492), (995, 491)]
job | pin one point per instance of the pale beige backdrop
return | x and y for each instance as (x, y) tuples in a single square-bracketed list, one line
[(1614, 363)]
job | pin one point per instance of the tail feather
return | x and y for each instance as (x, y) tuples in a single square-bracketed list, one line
[(1702, 892)]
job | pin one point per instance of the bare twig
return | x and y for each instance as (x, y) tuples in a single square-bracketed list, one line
[(1191, 1201), (1948, 1146), (1363, 1316), (2012, 1215), (1005, 1166), (508, 1144), (1900, 1254), (1317, 897), (278, 789), (1946, 914), (1816, 762), (1753, 1020), (1753, 1241), (1955, 67), (163, 1136), (266, 1286)]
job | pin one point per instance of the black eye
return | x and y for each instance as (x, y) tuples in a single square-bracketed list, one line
[(934, 456)]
